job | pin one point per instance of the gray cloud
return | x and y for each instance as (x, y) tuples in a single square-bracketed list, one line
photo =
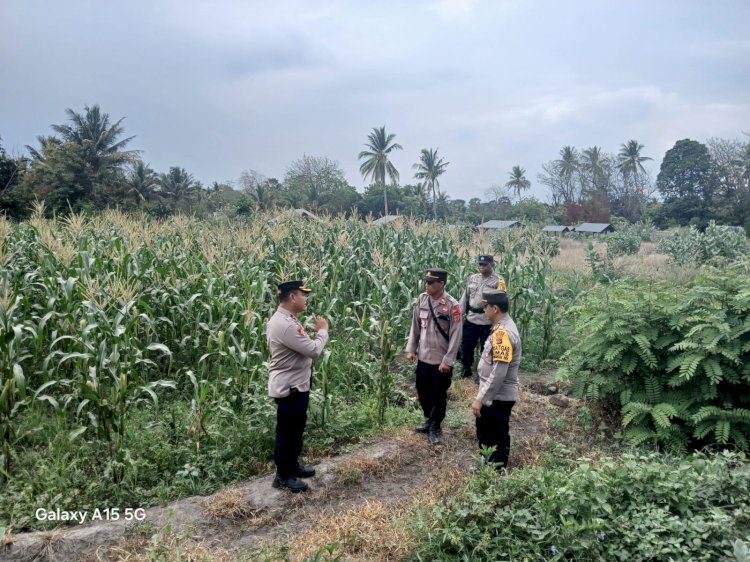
[(219, 87)]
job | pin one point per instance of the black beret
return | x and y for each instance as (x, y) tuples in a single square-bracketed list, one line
[(486, 258)]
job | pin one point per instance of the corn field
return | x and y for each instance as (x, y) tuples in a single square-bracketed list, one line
[(110, 319)]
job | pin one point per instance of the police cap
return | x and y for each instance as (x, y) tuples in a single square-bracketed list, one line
[(289, 286), (436, 274)]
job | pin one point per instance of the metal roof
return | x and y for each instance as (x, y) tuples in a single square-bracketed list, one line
[(499, 224), (556, 228), (595, 227)]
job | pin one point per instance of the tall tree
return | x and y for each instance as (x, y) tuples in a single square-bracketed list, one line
[(629, 160), (316, 178), (263, 192), (82, 167), (518, 181), (595, 166), (376, 164), (687, 181), (429, 169), (141, 182), (103, 149), (180, 185)]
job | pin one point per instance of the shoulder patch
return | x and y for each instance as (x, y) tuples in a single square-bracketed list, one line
[(301, 331), (456, 313), (502, 350)]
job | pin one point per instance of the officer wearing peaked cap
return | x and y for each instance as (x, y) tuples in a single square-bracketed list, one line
[(434, 338), (289, 374), (477, 325), (498, 378)]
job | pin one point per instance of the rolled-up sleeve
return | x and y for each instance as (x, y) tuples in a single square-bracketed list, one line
[(304, 344)]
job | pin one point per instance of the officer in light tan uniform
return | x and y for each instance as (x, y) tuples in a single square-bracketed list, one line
[(435, 335), (289, 376), (498, 378), (477, 325)]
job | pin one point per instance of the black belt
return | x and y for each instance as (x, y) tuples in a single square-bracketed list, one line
[(477, 310)]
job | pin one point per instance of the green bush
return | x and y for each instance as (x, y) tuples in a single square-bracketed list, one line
[(623, 243), (650, 507), (694, 246), (677, 360)]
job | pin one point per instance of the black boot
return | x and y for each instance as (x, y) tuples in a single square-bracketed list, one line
[(303, 471), (435, 436), (291, 484), (424, 428), (467, 373)]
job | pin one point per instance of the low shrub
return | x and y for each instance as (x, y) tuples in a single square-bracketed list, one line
[(640, 507)]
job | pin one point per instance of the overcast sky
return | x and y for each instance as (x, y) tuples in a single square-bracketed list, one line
[(219, 87)]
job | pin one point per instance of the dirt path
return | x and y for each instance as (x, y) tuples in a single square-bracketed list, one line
[(353, 499)]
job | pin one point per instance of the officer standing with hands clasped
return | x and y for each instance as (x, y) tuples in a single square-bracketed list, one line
[(435, 334), (498, 378), (289, 378), (477, 325)]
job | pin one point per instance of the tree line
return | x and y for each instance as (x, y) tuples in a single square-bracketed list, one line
[(87, 165)]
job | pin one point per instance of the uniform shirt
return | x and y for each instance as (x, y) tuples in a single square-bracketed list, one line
[(292, 352), (425, 336), (498, 377), (472, 297)]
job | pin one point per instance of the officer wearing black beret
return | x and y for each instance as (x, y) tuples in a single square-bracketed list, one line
[(477, 325), (498, 378), (289, 374), (434, 336)]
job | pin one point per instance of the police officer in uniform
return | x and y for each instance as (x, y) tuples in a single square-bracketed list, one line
[(477, 325), (289, 377), (434, 336), (498, 378)]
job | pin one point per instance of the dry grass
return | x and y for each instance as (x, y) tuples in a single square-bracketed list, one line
[(165, 548), (7, 538), (230, 503), (374, 530)]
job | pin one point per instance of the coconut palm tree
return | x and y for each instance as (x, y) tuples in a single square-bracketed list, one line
[(179, 184), (630, 161), (376, 164), (141, 182), (568, 167), (518, 181), (596, 165), (429, 168), (103, 149)]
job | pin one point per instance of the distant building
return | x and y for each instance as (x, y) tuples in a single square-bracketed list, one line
[(499, 225), (595, 228), (559, 229), (385, 220)]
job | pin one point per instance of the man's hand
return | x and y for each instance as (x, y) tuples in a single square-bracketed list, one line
[(410, 357), (320, 324), (443, 368), (476, 408)]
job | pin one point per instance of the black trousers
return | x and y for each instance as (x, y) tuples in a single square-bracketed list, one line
[(493, 430), (291, 417), (473, 334), (432, 389)]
